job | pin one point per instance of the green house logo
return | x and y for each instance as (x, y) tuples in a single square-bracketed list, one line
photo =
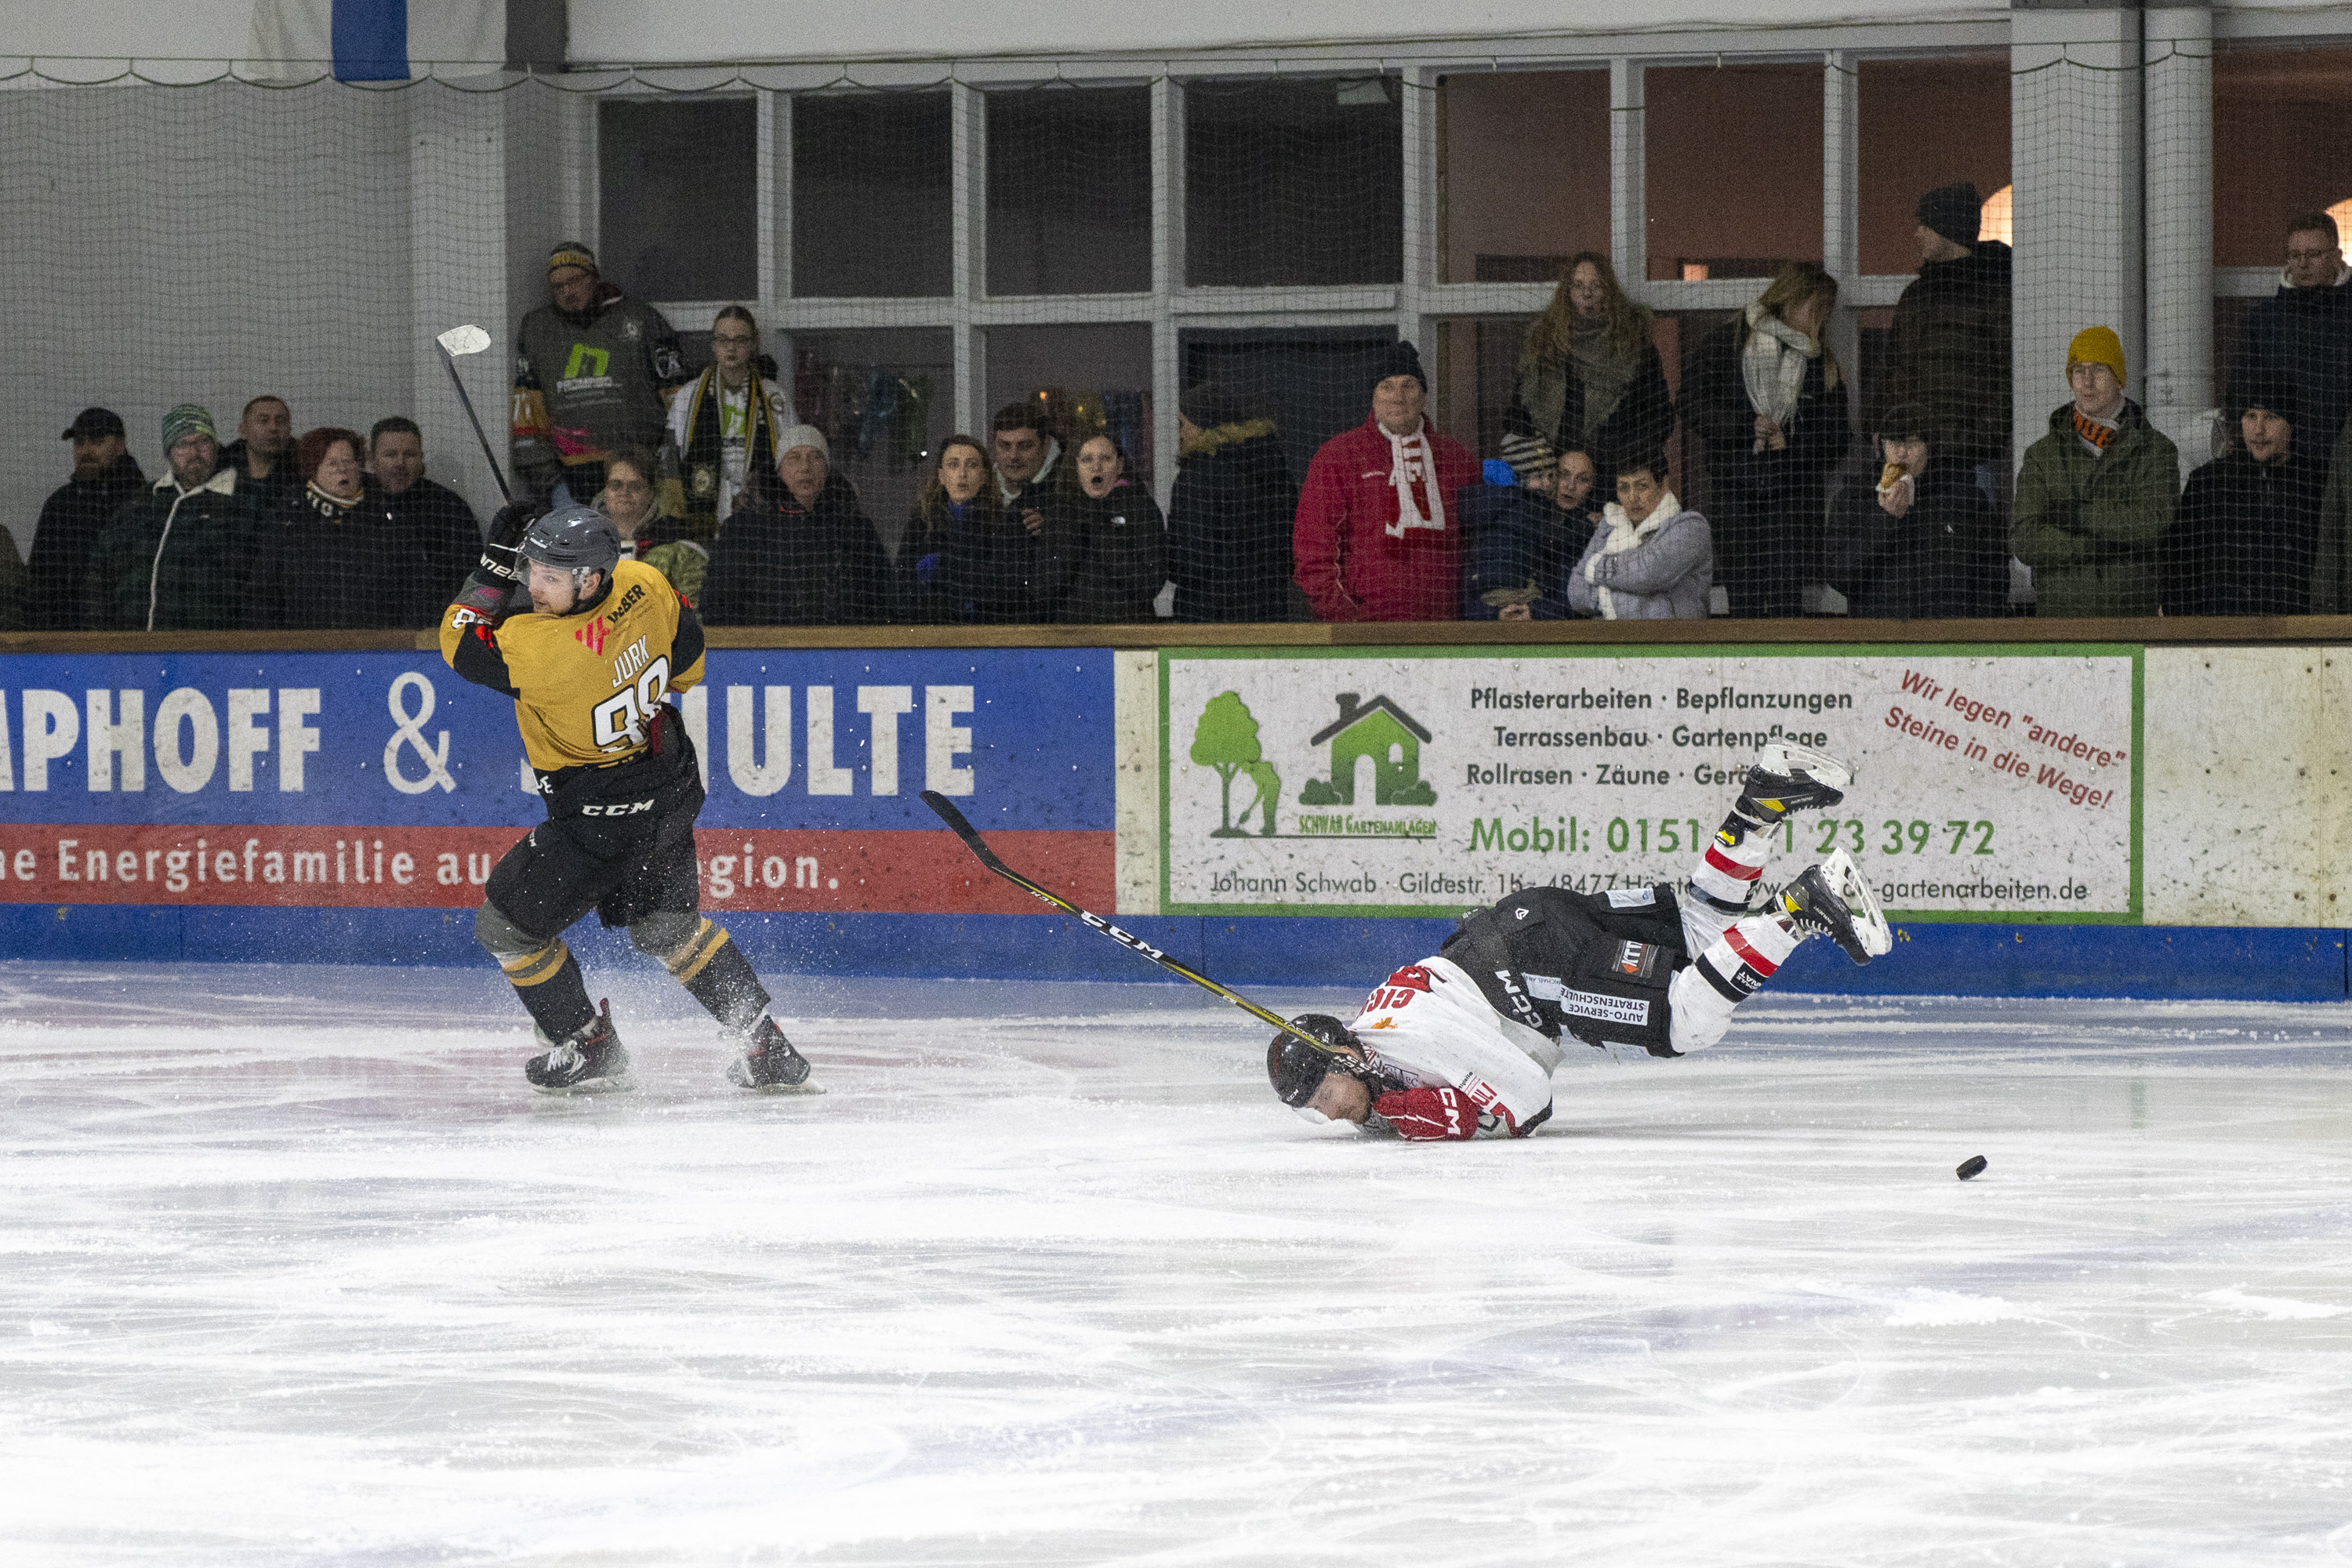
[(1382, 734), (587, 361)]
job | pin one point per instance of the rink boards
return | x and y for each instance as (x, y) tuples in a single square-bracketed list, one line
[(2059, 819)]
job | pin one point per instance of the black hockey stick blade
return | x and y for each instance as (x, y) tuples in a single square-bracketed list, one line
[(972, 841)]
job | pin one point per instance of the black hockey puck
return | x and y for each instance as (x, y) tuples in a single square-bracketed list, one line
[(1972, 1166)]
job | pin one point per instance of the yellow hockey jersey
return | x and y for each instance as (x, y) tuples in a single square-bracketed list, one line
[(586, 686)]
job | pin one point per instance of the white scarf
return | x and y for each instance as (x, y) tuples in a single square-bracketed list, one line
[(1413, 469), (1773, 366), (1624, 535)]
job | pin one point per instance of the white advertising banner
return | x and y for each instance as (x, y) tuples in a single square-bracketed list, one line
[(1989, 783)]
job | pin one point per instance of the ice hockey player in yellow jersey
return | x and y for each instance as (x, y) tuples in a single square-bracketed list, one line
[(589, 646)]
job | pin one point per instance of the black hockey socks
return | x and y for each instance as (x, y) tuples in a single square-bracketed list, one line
[(548, 983), (716, 973)]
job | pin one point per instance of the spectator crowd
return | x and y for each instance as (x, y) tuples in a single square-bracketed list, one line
[(717, 483)]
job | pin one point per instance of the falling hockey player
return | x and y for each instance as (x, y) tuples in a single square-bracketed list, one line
[(602, 643), (1465, 1042)]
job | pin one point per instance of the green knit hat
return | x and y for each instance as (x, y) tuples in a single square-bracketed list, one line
[(187, 420)]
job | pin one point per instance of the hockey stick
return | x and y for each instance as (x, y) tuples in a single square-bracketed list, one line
[(988, 858), (470, 339)]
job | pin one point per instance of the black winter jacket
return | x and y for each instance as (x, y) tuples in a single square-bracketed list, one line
[(73, 517), (1768, 509), (1104, 560), (1944, 558), (1949, 353), (2245, 538), (779, 563), (437, 533), (326, 566), (1229, 526), (2306, 335)]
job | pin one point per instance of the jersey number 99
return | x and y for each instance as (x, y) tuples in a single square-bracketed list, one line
[(625, 718)]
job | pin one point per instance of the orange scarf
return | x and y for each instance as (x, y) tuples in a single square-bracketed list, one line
[(2098, 434)]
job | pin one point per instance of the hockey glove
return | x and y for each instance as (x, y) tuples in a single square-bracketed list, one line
[(500, 572), (1427, 1115)]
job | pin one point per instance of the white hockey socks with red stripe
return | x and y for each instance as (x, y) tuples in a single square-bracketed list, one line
[(1723, 884), (1736, 966)]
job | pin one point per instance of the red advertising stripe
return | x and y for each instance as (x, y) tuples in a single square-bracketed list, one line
[(892, 872)]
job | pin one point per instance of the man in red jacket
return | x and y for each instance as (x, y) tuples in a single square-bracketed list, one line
[(1379, 534)]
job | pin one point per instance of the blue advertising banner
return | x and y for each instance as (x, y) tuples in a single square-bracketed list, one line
[(381, 779)]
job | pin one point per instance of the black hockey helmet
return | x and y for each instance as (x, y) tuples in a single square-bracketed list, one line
[(1297, 1068), (573, 539)]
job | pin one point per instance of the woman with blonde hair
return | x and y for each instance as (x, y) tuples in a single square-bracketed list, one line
[(1590, 377), (725, 424), (1767, 399)]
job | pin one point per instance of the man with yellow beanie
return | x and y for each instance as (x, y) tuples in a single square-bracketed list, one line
[(2095, 496)]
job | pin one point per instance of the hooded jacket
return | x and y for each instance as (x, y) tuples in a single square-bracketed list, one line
[(2091, 526), (1229, 525), (2306, 334), (175, 559), (2247, 536), (73, 517), (780, 564), (1353, 565), (979, 567), (1948, 352)]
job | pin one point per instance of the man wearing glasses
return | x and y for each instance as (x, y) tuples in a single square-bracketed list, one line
[(725, 422), (2304, 331)]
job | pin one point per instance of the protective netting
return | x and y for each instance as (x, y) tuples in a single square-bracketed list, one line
[(1161, 312)]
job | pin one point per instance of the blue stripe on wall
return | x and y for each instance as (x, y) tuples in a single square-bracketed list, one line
[(371, 40), (2155, 962)]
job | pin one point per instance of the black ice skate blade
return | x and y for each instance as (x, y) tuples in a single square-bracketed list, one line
[(620, 1083), (806, 1085)]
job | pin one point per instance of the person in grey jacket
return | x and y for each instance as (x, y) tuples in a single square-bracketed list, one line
[(1649, 560)]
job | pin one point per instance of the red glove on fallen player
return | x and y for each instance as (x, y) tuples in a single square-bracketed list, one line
[(1426, 1114)]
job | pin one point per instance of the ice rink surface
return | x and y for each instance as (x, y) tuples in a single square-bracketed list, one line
[(294, 1269)]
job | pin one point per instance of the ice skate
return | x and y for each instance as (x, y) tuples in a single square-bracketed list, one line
[(1833, 899), (1786, 779), (591, 1062), (769, 1065)]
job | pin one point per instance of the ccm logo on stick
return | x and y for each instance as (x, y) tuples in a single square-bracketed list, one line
[(625, 809)]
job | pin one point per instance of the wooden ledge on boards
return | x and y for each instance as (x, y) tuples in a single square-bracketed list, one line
[(2290, 630)]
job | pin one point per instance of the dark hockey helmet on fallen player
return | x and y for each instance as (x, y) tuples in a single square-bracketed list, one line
[(573, 539), (1297, 1068)]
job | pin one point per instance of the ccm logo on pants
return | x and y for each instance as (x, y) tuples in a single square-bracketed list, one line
[(620, 808)]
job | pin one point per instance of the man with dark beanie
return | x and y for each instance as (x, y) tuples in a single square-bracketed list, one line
[(2248, 531), (1949, 349), (1378, 536)]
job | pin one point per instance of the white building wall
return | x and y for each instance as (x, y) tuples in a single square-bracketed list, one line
[(201, 245)]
